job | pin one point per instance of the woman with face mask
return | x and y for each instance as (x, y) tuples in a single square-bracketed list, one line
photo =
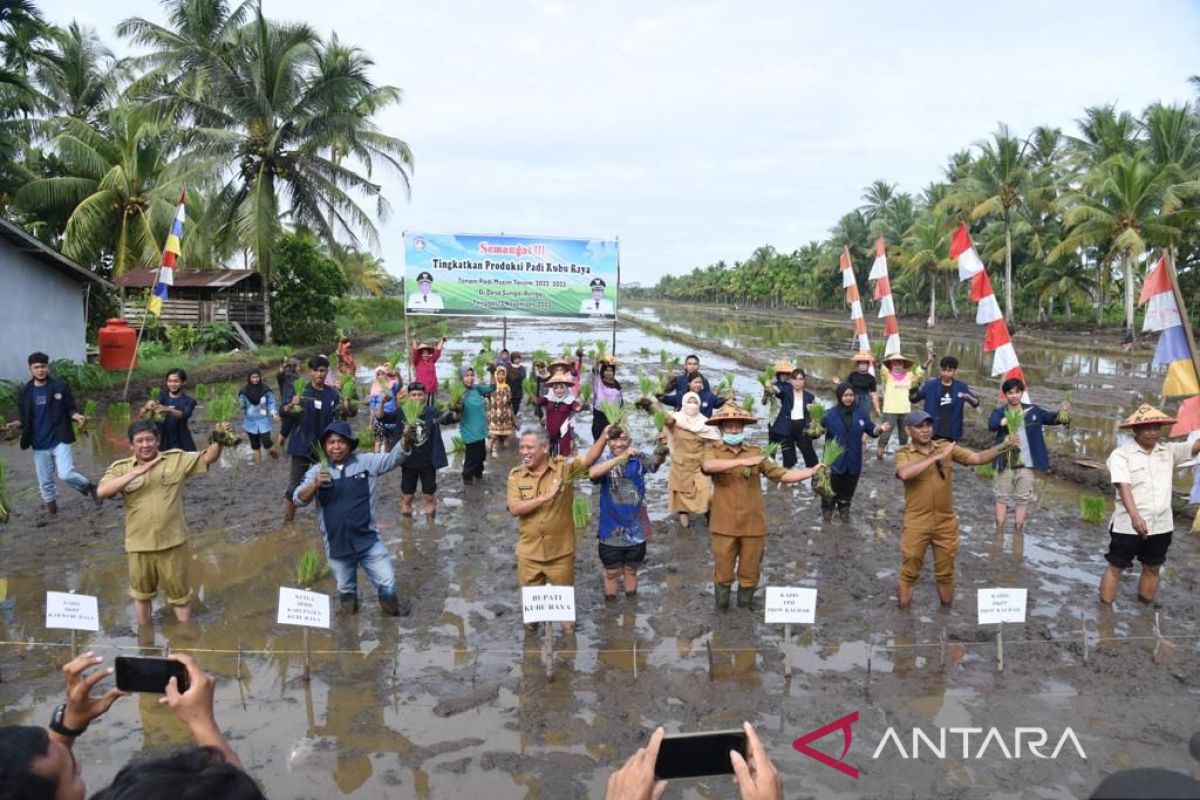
[(691, 489)]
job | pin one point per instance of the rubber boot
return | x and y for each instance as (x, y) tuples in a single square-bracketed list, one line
[(394, 606), (52, 507), (746, 598), (827, 514), (722, 592), (349, 603), (844, 514), (91, 492)]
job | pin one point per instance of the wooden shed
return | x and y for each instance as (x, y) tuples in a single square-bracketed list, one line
[(199, 296)]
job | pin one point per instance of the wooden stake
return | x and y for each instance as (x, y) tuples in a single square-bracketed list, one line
[(307, 675), (942, 641), (708, 647), (787, 649), (635, 659), (870, 652), (1083, 629), (548, 649), (1000, 649), (74, 649)]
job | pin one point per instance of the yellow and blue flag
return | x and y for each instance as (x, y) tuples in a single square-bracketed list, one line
[(1162, 315), (166, 272)]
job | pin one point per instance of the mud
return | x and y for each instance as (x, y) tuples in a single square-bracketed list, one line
[(454, 700)]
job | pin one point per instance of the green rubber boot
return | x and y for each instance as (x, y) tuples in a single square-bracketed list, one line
[(722, 593), (746, 598)]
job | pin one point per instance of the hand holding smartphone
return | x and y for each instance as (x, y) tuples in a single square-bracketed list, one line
[(692, 755), (144, 674)]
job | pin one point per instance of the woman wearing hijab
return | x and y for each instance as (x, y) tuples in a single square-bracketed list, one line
[(846, 423), (385, 391), (501, 422), (688, 435), (259, 410), (560, 406), (605, 389)]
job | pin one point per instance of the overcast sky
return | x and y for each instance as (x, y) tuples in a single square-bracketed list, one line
[(697, 131)]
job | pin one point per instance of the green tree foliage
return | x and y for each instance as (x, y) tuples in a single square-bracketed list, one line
[(307, 283)]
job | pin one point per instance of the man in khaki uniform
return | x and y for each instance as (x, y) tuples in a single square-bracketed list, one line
[(929, 519), (151, 484), (738, 523), (540, 493)]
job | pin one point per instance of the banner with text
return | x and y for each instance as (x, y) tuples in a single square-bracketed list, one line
[(510, 276)]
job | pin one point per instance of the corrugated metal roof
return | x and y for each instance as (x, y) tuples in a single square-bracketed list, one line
[(24, 242), (194, 278)]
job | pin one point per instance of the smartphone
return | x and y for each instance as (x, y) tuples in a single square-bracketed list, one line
[(137, 674), (691, 755)]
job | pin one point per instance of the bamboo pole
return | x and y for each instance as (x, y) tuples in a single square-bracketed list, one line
[(1169, 260)]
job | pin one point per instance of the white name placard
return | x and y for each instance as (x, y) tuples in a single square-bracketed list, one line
[(298, 607), (77, 612), (791, 604), (548, 603), (1002, 605)]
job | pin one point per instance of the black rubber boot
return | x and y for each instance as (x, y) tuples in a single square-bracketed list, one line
[(827, 514), (844, 514), (723, 592), (746, 598), (394, 606), (349, 603)]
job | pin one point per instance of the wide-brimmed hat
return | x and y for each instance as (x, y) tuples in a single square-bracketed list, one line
[(783, 365), (425, 346), (890, 357), (608, 359), (1146, 414), (558, 363), (863, 355), (560, 378), (342, 429), (731, 412)]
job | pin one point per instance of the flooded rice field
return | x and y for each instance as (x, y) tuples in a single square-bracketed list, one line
[(454, 700)]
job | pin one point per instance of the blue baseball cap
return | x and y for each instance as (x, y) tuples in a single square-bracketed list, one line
[(916, 418)]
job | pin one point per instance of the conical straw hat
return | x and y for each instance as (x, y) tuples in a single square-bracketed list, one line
[(730, 412), (1146, 414)]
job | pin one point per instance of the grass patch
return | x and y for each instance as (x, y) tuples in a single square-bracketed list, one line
[(985, 471)]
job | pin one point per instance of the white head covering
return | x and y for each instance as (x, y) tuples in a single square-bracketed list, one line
[(694, 423)]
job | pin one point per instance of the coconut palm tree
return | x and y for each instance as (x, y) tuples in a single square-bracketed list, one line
[(925, 254), (272, 118), (1124, 206), (364, 271), (78, 76), (120, 187)]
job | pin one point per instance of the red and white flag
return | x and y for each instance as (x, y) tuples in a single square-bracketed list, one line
[(850, 284), (883, 293), (987, 311)]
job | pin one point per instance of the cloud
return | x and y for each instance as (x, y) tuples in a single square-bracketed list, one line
[(697, 131)]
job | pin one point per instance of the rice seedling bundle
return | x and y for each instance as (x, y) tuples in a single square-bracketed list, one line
[(118, 411), (767, 376), (616, 415), (528, 386), (457, 391), (148, 412), (412, 409), (300, 386), (585, 393), (748, 404), (1015, 419), (457, 445), (771, 450), (601, 348), (310, 568), (1093, 508), (579, 512), (816, 421), (830, 453), (201, 391), (1065, 416), (220, 411)]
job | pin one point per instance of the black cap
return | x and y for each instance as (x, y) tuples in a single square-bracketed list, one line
[(597, 283), (424, 276)]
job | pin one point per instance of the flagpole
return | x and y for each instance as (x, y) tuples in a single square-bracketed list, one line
[(1169, 260), (142, 327)]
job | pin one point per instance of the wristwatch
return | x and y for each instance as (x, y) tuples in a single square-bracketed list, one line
[(57, 725)]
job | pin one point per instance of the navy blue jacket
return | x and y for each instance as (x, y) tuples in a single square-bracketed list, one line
[(931, 393), (432, 453), (850, 462), (60, 405), (1035, 418), (782, 426), (312, 420)]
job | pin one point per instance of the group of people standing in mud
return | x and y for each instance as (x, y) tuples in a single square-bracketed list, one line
[(713, 475)]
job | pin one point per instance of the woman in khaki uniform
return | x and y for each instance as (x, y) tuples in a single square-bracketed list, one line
[(688, 435)]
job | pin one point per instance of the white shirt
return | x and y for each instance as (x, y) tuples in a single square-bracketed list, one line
[(422, 302), (1149, 476), (591, 306)]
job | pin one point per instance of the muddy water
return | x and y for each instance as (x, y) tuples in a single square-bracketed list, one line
[(453, 701)]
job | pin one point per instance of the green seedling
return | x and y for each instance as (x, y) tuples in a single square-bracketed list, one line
[(816, 421), (1093, 508), (830, 453)]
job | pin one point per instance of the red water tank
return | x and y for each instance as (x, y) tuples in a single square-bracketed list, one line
[(118, 345)]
